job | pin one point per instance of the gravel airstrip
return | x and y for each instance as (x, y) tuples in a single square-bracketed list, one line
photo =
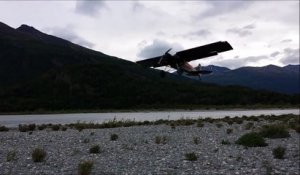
[(137, 151)]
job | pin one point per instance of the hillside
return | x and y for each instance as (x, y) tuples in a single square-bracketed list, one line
[(273, 78), (43, 72)]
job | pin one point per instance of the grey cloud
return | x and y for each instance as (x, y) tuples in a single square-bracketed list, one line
[(274, 54), (223, 7), (243, 31), (238, 62), (201, 32), (157, 48), (290, 56), (286, 41), (69, 35), (89, 7)]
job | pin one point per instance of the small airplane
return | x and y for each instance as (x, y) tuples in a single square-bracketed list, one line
[(180, 60)]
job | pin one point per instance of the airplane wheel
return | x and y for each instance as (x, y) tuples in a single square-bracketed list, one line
[(162, 74)]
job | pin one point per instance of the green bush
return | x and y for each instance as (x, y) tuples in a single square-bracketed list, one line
[(42, 127), (275, 131), (225, 142), (160, 139), (38, 155), (55, 127), (114, 137), (85, 167), (3, 128), (249, 125), (196, 140), (95, 149), (251, 140), (278, 152), (200, 124), (191, 156)]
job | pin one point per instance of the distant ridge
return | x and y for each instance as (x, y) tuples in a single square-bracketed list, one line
[(274, 78)]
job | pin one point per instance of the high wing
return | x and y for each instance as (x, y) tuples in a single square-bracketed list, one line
[(188, 55), (204, 51), (151, 62)]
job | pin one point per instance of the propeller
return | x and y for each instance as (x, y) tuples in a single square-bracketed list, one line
[(164, 56)]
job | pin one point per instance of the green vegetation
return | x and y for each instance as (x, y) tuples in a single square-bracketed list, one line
[(38, 155), (160, 139), (251, 139), (95, 149), (11, 156), (191, 156), (85, 167), (279, 152), (42, 127), (114, 137), (86, 140), (196, 140), (3, 128), (55, 127), (219, 125), (249, 125), (275, 131), (225, 142)]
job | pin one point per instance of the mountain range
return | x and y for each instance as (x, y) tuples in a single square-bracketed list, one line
[(40, 72), (274, 78)]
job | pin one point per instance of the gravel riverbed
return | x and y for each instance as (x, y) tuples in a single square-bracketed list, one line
[(136, 151)]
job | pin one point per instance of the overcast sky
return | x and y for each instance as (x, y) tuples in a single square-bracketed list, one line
[(261, 32)]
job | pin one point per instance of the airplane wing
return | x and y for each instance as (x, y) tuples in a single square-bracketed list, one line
[(151, 62), (190, 54), (204, 51)]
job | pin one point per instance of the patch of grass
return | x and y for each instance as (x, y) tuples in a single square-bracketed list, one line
[(173, 126), (85, 167), (225, 142), (274, 131), (251, 139), (92, 133), (160, 139), (31, 127), (229, 130), (196, 140), (278, 152), (95, 149), (11, 156), (38, 155), (4, 129), (114, 137), (191, 156)]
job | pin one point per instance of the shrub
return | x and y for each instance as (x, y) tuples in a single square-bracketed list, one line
[(200, 124), (225, 142), (64, 128), (251, 140), (160, 139), (42, 127), (191, 156), (55, 127), (86, 140), (31, 127), (3, 128), (229, 130), (11, 156), (196, 140), (95, 149), (173, 126), (114, 137), (85, 167), (278, 152), (38, 155), (274, 131), (23, 128), (92, 133)]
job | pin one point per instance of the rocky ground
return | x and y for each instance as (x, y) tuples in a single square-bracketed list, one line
[(137, 151)]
